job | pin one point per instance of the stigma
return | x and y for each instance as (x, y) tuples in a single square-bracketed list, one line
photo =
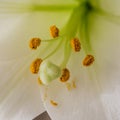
[(48, 72)]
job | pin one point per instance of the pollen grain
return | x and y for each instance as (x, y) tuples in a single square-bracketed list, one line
[(73, 84), (53, 103), (39, 81)]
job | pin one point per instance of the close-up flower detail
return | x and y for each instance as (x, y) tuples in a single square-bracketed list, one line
[(75, 43), (34, 43), (89, 59), (67, 39), (54, 31), (65, 75), (34, 67), (64, 51)]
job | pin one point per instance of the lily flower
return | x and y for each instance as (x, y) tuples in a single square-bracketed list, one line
[(64, 43)]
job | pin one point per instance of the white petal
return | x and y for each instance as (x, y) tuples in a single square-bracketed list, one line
[(106, 45), (19, 92)]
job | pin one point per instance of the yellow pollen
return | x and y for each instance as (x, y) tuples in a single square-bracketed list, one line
[(39, 81), (71, 85), (34, 67), (68, 85), (45, 94), (89, 59), (34, 43), (65, 75), (74, 84), (75, 43), (53, 103), (54, 31)]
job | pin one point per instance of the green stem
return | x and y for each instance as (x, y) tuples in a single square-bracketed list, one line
[(84, 33), (55, 50), (70, 31), (67, 53), (52, 40), (70, 28)]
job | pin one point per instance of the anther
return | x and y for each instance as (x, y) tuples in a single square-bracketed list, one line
[(34, 67), (54, 31), (34, 43), (65, 75), (89, 59), (75, 44)]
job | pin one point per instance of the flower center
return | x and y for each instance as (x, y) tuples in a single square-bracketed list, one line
[(69, 38), (88, 6)]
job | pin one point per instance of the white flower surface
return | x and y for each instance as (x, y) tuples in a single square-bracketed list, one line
[(96, 23)]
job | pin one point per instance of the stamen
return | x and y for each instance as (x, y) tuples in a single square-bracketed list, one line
[(34, 67), (34, 43), (65, 75), (49, 71), (53, 103), (54, 31), (75, 43), (89, 59)]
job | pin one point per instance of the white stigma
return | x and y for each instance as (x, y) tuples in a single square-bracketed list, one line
[(48, 72)]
